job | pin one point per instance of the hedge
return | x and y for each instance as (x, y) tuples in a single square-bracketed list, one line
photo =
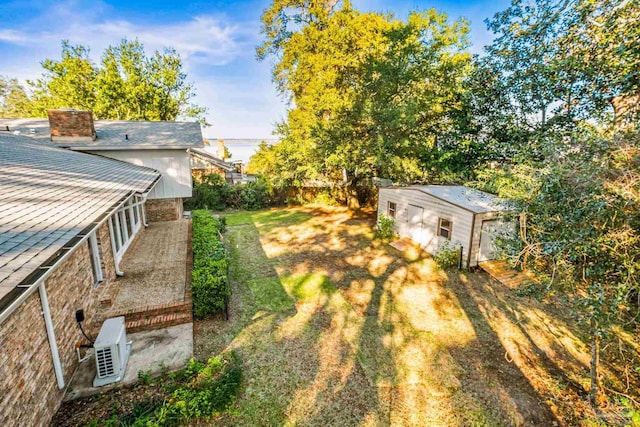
[(209, 283)]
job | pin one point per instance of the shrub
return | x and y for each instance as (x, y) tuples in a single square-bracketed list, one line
[(200, 390), (253, 195), (385, 227), (212, 192), (447, 256), (209, 283), (325, 198)]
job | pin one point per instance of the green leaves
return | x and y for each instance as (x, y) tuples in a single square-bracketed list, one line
[(371, 93), (209, 283), (127, 85)]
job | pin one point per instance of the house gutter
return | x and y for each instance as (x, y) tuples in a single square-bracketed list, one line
[(51, 335), (43, 272), (29, 285)]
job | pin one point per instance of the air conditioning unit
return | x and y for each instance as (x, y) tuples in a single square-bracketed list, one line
[(112, 352)]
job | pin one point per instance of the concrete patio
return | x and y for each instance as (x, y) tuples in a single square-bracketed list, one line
[(151, 351)]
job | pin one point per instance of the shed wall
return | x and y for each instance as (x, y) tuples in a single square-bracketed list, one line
[(477, 232), (174, 165), (434, 209)]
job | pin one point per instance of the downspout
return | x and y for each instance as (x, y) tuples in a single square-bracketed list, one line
[(57, 366), (114, 250), (144, 214)]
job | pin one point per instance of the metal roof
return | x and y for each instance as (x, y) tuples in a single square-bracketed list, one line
[(113, 134), (48, 196), (467, 198)]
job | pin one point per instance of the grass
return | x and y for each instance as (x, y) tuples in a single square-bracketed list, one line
[(268, 294), (380, 339)]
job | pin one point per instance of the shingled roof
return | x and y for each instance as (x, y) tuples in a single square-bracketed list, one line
[(48, 197), (117, 134)]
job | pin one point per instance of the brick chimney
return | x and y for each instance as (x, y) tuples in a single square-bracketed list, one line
[(68, 124)]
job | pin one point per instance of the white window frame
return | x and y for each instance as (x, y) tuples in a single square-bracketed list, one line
[(441, 227), (94, 253), (394, 210), (121, 238)]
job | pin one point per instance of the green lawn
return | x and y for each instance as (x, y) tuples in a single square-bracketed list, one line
[(337, 329)]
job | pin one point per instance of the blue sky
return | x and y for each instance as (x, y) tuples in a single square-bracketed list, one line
[(216, 40)]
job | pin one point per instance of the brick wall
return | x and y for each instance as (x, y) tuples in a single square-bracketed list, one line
[(197, 174), (26, 368), (163, 209), (29, 394)]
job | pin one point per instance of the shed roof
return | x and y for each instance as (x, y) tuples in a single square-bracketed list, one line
[(142, 135), (48, 196), (467, 198)]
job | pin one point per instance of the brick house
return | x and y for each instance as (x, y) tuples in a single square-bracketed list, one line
[(164, 146), (204, 163), (67, 216)]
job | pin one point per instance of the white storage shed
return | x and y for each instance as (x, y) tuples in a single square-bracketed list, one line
[(431, 215)]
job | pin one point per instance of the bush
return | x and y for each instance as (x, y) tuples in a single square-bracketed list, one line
[(385, 227), (209, 283), (212, 192), (447, 256), (200, 390)]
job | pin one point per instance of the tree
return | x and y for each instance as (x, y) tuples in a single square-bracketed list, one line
[(70, 82), (128, 85), (580, 228), (371, 92), (132, 86), (578, 59), (13, 98)]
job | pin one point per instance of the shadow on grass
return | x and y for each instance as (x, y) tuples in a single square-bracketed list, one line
[(375, 339)]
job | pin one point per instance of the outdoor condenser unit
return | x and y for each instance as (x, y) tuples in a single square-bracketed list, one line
[(112, 352)]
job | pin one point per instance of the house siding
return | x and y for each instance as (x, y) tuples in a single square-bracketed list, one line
[(434, 209), (174, 165), (29, 395)]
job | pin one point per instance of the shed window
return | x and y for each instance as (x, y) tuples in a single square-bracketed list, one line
[(444, 228), (391, 209)]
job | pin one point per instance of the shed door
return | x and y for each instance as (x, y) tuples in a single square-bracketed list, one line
[(416, 214), (488, 232)]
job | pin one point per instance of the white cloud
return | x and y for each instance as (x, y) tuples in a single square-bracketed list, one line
[(204, 38), (218, 55)]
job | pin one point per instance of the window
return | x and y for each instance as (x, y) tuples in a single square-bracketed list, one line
[(444, 228), (124, 224), (391, 209), (94, 255)]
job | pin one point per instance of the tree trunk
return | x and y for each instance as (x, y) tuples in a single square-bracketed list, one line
[(625, 110), (595, 361), (352, 192)]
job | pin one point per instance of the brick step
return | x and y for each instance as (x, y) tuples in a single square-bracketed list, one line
[(154, 311), (159, 321), (143, 314)]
